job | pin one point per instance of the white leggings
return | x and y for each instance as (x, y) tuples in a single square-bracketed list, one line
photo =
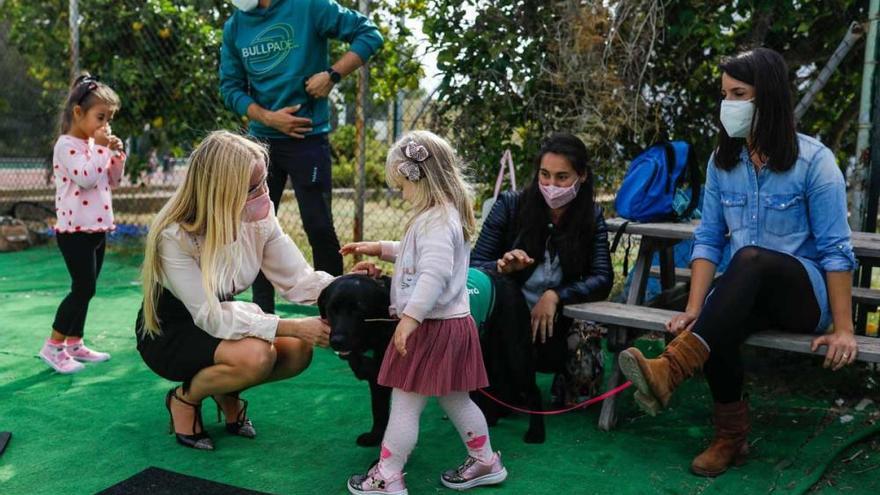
[(403, 427)]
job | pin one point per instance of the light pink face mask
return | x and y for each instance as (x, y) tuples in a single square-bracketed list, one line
[(557, 197), (257, 208)]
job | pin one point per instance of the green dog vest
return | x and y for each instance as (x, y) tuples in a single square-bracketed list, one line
[(481, 293)]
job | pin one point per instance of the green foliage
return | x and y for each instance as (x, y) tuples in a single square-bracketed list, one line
[(503, 81), (395, 67), (162, 57), (699, 33), (159, 56), (490, 68), (343, 144)]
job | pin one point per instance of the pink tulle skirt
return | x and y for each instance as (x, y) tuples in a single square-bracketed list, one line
[(442, 356)]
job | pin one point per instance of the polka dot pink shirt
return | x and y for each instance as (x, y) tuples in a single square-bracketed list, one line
[(84, 173)]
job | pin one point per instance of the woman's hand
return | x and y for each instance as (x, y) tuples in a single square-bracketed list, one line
[(513, 261), (406, 327), (681, 322), (842, 348), (367, 248), (311, 330), (543, 315), (366, 268)]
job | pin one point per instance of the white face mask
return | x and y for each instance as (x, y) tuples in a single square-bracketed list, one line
[(245, 5), (736, 117)]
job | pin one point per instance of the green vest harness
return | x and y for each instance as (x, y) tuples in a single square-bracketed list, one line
[(481, 293)]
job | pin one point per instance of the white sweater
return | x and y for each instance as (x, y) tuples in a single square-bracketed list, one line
[(430, 267), (264, 246)]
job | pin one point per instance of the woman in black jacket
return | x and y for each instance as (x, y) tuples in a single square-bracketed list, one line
[(550, 239)]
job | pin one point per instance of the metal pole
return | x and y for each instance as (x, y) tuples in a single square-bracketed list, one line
[(74, 39), (361, 134), (398, 100), (859, 173), (398, 115), (856, 30)]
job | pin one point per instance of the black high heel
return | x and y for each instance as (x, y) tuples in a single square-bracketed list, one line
[(200, 440), (242, 426)]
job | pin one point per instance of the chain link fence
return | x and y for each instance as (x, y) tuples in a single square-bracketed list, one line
[(158, 142)]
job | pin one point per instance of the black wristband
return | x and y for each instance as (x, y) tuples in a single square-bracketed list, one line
[(334, 76)]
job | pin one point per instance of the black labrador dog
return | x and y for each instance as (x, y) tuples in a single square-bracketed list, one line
[(356, 307)]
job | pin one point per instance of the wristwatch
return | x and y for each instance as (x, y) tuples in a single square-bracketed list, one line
[(334, 76)]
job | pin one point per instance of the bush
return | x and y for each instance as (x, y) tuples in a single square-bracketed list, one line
[(343, 144)]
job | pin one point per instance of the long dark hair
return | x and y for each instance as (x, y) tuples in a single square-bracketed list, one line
[(86, 91), (573, 236), (773, 131)]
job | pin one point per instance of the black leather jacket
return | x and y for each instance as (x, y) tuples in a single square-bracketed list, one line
[(498, 236)]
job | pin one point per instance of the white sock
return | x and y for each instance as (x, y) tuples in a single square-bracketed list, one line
[(402, 432), (470, 423)]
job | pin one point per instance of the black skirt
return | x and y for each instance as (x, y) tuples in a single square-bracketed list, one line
[(181, 349)]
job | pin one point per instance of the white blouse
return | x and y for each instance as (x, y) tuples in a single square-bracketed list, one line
[(264, 246)]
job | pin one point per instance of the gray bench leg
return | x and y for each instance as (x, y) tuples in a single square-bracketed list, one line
[(617, 340)]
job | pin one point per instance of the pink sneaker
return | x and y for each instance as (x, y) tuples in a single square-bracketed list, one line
[(80, 352), (473, 472), (57, 358), (373, 483)]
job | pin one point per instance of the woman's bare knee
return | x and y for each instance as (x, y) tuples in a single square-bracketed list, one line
[(294, 353), (254, 357)]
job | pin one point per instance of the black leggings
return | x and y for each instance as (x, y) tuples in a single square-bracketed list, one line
[(761, 289), (83, 254), (307, 162)]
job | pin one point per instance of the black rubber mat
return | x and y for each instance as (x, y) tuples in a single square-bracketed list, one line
[(156, 481)]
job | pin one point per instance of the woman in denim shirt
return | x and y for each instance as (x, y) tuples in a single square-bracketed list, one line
[(782, 199)]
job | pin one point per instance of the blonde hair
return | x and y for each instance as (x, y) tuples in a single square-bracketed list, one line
[(86, 92), (208, 203), (441, 181)]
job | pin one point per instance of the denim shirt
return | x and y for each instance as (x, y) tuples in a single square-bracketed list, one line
[(801, 212)]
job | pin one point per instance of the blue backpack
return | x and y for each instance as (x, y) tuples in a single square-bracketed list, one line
[(654, 178)]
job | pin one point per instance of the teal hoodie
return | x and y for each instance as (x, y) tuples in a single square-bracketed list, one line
[(268, 54)]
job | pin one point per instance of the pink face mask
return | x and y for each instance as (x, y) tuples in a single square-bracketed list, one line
[(557, 197), (257, 208)]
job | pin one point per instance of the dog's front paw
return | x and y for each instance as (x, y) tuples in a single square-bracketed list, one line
[(369, 439), (534, 435)]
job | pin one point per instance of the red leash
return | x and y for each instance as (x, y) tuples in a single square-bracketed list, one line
[(586, 403)]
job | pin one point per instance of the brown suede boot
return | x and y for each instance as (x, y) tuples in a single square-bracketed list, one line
[(656, 379), (730, 445)]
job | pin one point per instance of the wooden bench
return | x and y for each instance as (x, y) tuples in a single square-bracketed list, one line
[(622, 319), (860, 295)]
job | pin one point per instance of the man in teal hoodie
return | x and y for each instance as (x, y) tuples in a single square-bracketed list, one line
[(275, 69)]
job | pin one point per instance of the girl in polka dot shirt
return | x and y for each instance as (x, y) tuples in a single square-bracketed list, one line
[(87, 162)]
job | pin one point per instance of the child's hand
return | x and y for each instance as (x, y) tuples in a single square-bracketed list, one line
[(115, 144), (102, 136), (366, 268), (406, 326), (368, 248)]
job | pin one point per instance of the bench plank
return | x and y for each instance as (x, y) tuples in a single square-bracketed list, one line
[(865, 244), (859, 294), (653, 319)]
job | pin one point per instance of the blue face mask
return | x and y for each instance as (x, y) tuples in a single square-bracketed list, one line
[(736, 117), (245, 5)]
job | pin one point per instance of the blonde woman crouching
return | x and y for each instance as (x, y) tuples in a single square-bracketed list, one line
[(206, 245)]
